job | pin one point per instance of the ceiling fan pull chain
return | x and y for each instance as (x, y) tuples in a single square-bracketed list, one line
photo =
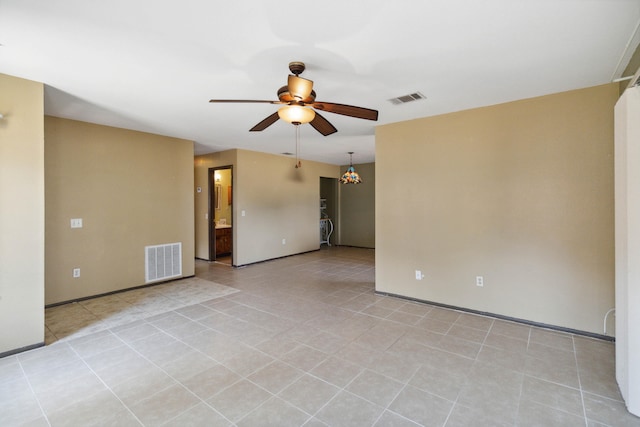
[(298, 163)]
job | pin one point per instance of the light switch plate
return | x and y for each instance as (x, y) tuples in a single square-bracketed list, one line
[(76, 222)]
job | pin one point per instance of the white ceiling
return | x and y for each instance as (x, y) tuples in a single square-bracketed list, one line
[(152, 65)]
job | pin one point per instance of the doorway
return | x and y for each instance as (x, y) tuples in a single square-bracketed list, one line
[(329, 211), (221, 214)]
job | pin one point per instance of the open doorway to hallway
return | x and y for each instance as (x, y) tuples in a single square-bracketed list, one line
[(329, 222), (221, 214)]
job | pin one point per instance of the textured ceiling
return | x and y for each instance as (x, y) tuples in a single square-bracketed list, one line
[(153, 65)]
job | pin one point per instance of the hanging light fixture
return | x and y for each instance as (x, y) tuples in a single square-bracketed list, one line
[(296, 114), (350, 176)]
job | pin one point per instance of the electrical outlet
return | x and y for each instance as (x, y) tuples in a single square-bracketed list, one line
[(479, 281), (419, 275), (76, 272), (284, 241)]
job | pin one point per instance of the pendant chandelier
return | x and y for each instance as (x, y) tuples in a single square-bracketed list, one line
[(350, 176)]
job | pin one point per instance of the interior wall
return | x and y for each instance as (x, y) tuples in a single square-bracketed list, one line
[(131, 189), (21, 214), (519, 193), (357, 208), (279, 202), (627, 222)]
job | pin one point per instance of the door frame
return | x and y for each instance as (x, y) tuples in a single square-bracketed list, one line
[(212, 207)]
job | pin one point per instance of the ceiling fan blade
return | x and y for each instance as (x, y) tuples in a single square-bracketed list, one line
[(255, 101), (265, 123), (346, 110), (299, 88), (322, 125)]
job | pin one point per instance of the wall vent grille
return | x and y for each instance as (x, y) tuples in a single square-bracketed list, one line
[(162, 262), (407, 98)]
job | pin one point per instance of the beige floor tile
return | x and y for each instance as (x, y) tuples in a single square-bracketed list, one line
[(103, 342), (467, 333), (462, 416), (459, 346), (553, 395), (188, 364), (337, 371), (275, 376), (532, 414), (100, 409), (200, 415), (47, 358), (391, 419), (169, 403), (375, 388), (309, 393), (493, 390), (52, 398), (421, 407), (504, 358), (608, 411), (347, 409), (304, 357), (20, 409), (511, 329), (236, 401), (230, 323), (557, 371), (211, 381), (274, 412), (136, 332), (440, 382), (140, 387)]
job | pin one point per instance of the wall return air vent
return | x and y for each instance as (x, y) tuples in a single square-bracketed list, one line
[(162, 262), (407, 98)]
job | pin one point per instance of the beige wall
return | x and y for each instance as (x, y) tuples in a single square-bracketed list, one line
[(357, 208), (21, 214), (279, 202), (131, 189), (519, 193)]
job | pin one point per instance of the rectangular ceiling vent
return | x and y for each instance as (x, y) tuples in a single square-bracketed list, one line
[(162, 262), (407, 98)]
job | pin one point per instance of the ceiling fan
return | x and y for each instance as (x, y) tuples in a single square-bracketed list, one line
[(299, 102)]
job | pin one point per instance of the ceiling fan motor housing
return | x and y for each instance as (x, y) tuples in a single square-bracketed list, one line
[(296, 67)]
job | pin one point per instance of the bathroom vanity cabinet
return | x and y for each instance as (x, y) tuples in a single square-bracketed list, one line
[(224, 240)]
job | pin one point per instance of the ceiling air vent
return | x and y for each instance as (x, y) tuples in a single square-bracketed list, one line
[(407, 98)]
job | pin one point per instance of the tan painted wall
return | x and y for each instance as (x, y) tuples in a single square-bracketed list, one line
[(131, 189), (357, 208), (21, 213), (279, 201), (519, 193)]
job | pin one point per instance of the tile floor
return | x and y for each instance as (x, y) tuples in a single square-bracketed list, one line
[(301, 341)]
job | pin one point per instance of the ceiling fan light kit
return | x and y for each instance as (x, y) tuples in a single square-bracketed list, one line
[(296, 114), (299, 102)]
